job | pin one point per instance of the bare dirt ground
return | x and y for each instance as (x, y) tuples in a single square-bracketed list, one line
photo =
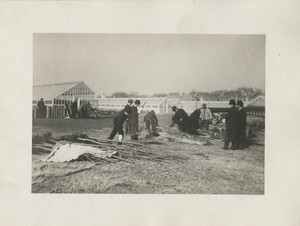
[(193, 168)]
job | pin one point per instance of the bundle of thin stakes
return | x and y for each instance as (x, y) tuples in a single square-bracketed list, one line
[(127, 152)]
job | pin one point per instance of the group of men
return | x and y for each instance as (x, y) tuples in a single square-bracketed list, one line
[(235, 122), (235, 132), (199, 119), (130, 115)]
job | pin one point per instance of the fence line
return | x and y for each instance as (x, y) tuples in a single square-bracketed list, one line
[(52, 112)]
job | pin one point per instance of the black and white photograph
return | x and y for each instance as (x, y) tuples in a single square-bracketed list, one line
[(148, 113)]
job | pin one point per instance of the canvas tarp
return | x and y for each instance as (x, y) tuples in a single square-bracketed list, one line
[(66, 152)]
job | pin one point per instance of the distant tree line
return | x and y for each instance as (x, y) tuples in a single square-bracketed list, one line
[(242, 93)]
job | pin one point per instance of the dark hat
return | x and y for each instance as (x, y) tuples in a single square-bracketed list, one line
[(232, 102), (240, 103), (137, 102), (130, 101), (174, 108), (204, 105)]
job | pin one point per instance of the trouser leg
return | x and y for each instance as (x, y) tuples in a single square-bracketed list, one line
[(148, 127), (206, 123), (241, 144), (201, 123), (226, 144), (134, 135), (113, 133), (154, 129), (127, 127), (153, 126), (120, 132), (234, 145)]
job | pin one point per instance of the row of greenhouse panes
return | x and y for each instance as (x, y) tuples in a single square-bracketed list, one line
[(58, 102), (79, 90)]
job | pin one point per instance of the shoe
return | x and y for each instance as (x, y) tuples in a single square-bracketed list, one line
[(224, 148)]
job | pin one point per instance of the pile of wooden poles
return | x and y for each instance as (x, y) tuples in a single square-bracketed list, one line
[(130, 151), (126, 152)]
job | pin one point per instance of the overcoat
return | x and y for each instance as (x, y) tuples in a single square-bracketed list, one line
[(42, 112), (194, 117), (232, 124), (120, 118), (151, 117), (182, 119), (134, 116), (242, 125), (128, 109)]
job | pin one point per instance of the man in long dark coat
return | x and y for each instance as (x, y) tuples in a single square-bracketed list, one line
[(231, 126), (183, 120), (194, 117), (241, 133), (134, 120), (151, 121), (41, 109), (128, 108), (74, 109)]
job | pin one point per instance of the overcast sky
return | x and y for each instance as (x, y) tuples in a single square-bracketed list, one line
[(150, 63)]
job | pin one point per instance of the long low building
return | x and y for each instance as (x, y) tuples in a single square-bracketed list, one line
[(164, 105), (57, 94), (159, 105), (61, 93)]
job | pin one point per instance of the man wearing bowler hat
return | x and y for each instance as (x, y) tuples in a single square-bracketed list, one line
[(231, 126), (128, 108)]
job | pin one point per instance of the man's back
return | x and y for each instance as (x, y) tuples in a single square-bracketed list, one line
[(182, 114)]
